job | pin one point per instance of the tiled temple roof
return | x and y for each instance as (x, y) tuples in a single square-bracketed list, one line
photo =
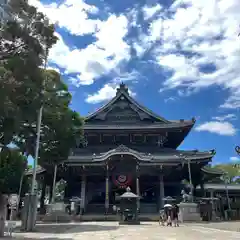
[(159, 121), (166, 155)]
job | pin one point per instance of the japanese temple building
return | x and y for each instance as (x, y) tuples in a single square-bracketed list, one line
[(127, 145)]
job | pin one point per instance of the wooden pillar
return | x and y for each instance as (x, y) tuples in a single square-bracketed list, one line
[(161, 191), (202, 188), (189, 172), (213, 204), (190, 177), (83, 194), (138, 186), (107, 190)]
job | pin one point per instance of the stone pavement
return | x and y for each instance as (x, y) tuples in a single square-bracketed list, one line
[(111, 230), (229, 226)]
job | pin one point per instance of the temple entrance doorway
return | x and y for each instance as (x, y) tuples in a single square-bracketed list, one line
[(120, 182), (123, 175)]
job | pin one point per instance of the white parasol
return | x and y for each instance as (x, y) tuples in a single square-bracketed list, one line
[(167, 205)]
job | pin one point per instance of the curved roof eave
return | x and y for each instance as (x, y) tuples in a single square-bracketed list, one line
[(186, 124), (122, 150), (105, 157), (212, 171)]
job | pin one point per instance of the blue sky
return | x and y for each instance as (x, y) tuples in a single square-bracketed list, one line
[(179, 58)]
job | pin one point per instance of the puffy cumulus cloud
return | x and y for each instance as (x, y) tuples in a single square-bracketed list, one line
[(198, 45), (220, 128), (97, 58), (195, 41), (71, 14), (103, 94), (234, 159), (107, 92), (229, 116)]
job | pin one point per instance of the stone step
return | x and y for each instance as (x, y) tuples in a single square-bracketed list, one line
[(98, 217)]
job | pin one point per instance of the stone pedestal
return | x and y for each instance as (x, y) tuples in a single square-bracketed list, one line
[(189, 212), (56, 212), (129, 219)]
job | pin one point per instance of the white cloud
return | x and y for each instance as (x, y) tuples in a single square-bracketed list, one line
[(132, 76), (96, 59), (106, 93), (150, 11), (71, 14), (170, 99), (221, 128), (208, 31), (234, 159), (225, 117)]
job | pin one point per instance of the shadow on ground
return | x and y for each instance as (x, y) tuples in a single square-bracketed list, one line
[(24, 238), (71, 228)]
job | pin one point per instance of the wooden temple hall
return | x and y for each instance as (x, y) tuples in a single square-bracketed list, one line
[(127, 145)]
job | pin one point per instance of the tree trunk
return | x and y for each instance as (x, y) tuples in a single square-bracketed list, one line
[(3, 211)]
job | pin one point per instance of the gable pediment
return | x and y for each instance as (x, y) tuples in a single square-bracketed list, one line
[(123, 109)]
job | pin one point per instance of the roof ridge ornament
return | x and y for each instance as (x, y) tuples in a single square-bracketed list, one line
[(122, 148), (122, 88)]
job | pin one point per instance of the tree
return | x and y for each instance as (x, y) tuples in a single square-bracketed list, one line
[(24, 86), (60, 125), (12, 167), (230, 170), (26, 32), (24, 43)]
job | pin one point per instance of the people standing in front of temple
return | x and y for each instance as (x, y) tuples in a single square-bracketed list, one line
[(175, 212), (162, 217), (168, 212)]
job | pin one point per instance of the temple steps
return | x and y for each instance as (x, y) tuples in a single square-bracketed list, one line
[(93, 217), (100, 217)]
